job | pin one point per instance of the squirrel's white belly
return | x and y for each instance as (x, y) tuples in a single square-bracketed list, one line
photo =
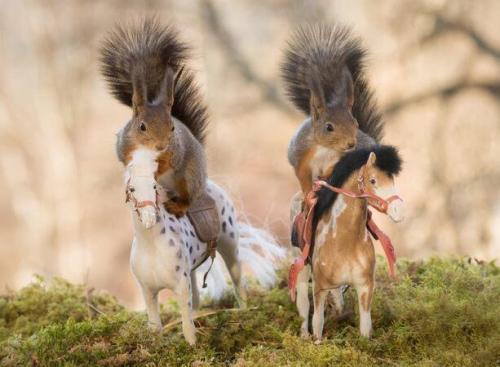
[(322, 161)]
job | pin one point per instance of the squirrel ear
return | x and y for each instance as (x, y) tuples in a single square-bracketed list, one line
[(139, 94), (348, 88), (166, 95), (317, 99)]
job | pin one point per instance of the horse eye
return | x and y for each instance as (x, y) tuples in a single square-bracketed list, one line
[(329, 127), (373, 181), (143, 126)]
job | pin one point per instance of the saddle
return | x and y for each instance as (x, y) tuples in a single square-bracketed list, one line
[(204, 217)]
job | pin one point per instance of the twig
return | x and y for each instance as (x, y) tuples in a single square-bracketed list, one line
[(446, 92), (96, 309), (173, 324), (226, 41)]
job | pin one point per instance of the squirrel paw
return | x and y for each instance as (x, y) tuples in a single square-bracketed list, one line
[(175, 208), (148, 216)]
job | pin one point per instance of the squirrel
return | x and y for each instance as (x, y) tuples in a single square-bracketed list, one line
[(323, 76), (144, 67)]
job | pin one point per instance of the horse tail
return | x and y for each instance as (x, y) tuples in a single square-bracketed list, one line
[(260, 255)]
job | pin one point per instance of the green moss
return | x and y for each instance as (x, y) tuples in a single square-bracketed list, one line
[(438, 313)]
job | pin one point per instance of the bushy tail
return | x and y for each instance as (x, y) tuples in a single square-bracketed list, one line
[(144, 50), (326, 50), (260, 255)]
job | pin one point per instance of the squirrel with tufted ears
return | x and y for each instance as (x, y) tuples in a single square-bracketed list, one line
[(323, 76), (143, 65)]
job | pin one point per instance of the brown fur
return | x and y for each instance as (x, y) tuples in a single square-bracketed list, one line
[(304, 170)]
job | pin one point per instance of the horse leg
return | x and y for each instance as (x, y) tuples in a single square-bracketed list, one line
[(195, 293), (152, 307), (365, 294), (183, 293), (228, 249), (303, 299), (319, 312)]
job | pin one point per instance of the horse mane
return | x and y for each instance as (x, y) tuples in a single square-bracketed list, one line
[(388, 160)]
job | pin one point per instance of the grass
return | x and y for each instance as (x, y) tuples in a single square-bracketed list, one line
[(439, 313)]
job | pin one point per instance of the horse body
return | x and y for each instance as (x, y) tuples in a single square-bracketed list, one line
[(346, 256), (344, 253), (166, 249)]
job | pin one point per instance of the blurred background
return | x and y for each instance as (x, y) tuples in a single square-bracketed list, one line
[(434, 64)]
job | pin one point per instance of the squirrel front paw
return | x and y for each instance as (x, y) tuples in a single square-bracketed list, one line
[(176, 208)]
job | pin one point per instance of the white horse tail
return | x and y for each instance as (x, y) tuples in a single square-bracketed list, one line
[(260, 254)]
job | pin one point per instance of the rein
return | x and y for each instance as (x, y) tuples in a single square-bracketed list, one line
[(373, 200)]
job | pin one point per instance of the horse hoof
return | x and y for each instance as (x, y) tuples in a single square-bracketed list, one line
[(304, 334), (191, 339)]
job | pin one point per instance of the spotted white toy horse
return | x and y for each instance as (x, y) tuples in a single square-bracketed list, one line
[(166, 249), (162, 150), (343, 252)]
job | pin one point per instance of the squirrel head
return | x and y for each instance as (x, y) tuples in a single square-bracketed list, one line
[(152, 122), (333, 124)]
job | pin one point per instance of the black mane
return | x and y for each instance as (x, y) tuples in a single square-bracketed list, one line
[(388, 160)]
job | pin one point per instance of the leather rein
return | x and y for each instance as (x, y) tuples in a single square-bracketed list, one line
[(373, 200)]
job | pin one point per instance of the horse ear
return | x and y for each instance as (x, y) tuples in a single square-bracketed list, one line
[(317, 100), (372, 158), (139, 94), (166, 95)]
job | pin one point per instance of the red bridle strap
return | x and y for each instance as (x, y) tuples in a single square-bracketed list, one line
[(375, 201)]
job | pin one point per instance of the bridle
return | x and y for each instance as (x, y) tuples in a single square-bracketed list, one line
[(373, 200), (136, 204)]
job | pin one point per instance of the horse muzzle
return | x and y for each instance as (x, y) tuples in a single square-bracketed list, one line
[(395, 209)]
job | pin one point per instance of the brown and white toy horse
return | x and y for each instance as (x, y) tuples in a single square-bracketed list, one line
[(343, 248)]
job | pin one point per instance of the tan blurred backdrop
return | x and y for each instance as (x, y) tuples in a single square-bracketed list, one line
[(435, 66)]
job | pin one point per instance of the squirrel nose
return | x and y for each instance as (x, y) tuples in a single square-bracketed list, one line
[(351, 145), (160, 147)]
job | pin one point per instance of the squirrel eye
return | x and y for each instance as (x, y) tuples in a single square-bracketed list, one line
[(329, 127), (373, 181), (131, 189), (143, 126), (173, 128)]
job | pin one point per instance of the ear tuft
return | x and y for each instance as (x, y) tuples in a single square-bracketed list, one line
[(317, 98), (166, 95)]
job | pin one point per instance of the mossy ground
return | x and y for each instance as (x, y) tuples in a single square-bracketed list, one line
[(439, 313)]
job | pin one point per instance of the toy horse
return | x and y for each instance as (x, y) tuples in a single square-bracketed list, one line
[(343, 252)]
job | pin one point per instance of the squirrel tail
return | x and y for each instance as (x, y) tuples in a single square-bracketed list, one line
[(326, 50), (142, 52)]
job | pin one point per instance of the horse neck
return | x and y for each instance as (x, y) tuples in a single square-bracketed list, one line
[(355, 212)]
